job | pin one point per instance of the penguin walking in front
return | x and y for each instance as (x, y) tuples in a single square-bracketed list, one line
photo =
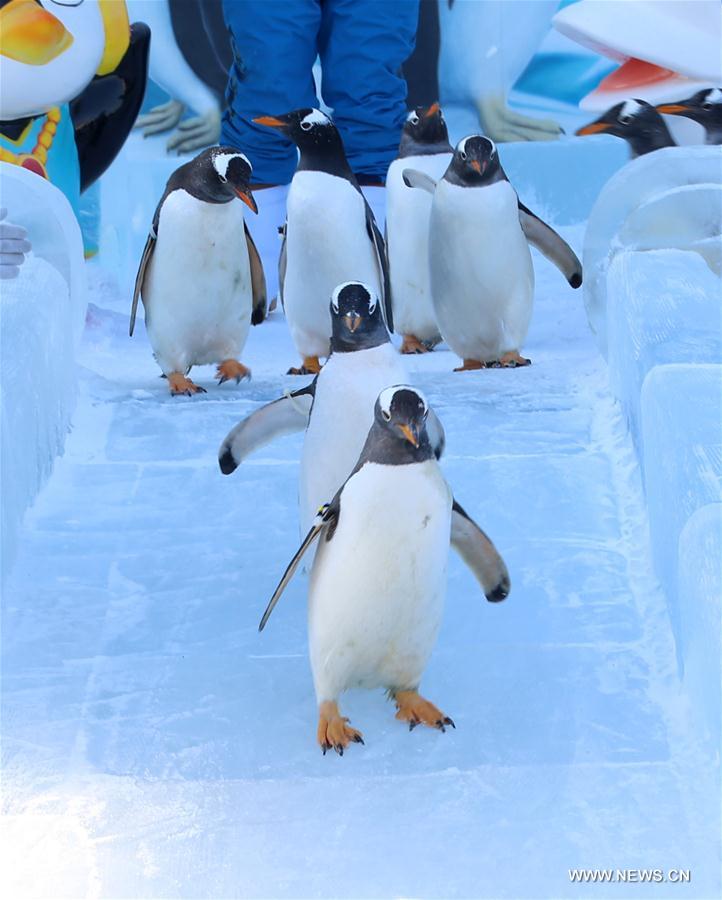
[(424, 147), (482, 278), (337, 408), (704, 107), (330, 235), (636, 122), (201, 277), (378, 580)]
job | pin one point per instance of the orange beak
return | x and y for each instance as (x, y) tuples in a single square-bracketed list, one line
[(476, 165), (30, 34), (247, 199), (409, 434), (593, 128), (672, 109), (432, 110), (270, 121), (352, 322)]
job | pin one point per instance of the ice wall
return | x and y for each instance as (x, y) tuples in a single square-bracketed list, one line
[(42, 312), (654, 299)]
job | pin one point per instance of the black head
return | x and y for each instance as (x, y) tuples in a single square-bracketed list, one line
[(475, 162), (704, 107), (424, 132), (401, 411), (356, 320), (637, 122), (218, 175), (310, 129)]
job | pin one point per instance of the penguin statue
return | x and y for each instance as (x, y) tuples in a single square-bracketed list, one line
[(638, 123), (72, 79), (200, 277), (482, 279), (330, 235), (705, 108), (377, 584), (424, 147), (336, 409)]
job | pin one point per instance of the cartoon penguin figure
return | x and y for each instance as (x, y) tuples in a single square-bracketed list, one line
[(424, 147), (200, 277), (638, 123), (705, 108), (482, 278), (337, 408), (330, 234), (377, 585)]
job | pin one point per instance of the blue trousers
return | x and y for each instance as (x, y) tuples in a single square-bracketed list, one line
[(362, 45)]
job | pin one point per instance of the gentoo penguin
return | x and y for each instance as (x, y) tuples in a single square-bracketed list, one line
[(482, 279), (330, 234), (704, 107), (337, 408), (200, 276), (425, 147), (377, 583), (638, 123)]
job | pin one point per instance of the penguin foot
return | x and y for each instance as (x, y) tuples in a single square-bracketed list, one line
[(180, 385), (311, 366), (333, 733), (411, 344), (510, 360), (231, 368), (414, 709), (469, 365)]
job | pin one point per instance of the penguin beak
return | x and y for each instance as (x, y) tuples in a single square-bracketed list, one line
[(352, 320), (593, 128), (271, 122), (247, 198), (30, 34), (672, 109), (410, 432), (476, 166), (432, 110)]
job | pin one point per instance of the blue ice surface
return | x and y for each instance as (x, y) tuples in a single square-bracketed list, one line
[(154, 744)]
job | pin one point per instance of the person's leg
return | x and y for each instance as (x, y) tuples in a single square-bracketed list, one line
[(363, 44), (274, 46)]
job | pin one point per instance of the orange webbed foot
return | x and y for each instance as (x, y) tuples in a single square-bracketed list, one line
[(311, 366), (411, 344), (511, 360), (179, 385), (470, 365), (333, 731), (414, 709), (231, 368)]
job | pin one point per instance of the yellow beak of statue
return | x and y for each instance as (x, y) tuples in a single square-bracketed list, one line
[(30, 34)]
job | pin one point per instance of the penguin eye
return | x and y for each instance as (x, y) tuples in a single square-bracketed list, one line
[(386, 415), (306, 126), (462, 155), (707, 105), (625, 120)]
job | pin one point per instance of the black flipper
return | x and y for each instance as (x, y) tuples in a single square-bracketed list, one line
[(144, 263), (436, 433), (258, 280), (479, 554), (286, 415), (554, 247), (282, 262), (104, 113), (326, 519), (377, 239)]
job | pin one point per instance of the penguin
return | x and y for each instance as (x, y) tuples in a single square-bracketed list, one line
[(336, 409), (425, 147), (482, 278), (330, 234), (201, 282), (638, 123), (377, 583), (705, 108)]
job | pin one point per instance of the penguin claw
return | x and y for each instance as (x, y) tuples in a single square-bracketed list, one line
[(231, 368), (333, 731), (414, 709)]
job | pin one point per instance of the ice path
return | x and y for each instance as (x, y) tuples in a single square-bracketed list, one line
[(156, 745)]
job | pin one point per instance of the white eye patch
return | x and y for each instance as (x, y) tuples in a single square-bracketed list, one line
[(315, 117), (369, 293), (629, 109), (386, 398), (222, 160), (714, 96), (413, 118)]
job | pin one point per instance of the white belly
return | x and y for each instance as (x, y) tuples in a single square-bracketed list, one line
[(407, 235), (327, 244), (343, 412), (198, 293), (481, 270), (376, 591)]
